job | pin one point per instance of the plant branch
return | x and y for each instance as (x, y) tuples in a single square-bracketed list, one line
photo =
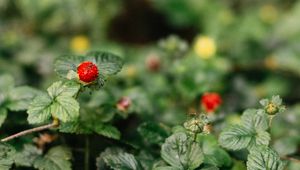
[(291, 159), (55, 123)]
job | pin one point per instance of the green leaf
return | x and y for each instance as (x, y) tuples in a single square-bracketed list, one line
[(166, 168), (107, 130), (6, 83), (21, 97), (182, 153), (7, 154), (213, 154), (39, 111), (66, 64), (117, 159), (65, 108), (57, 158), (236, 137), (263, 157), (107, 63), (3, 114), (146, 160), (262, 138), (74, 127), (27, 156), (254, 119), (69, 88), (209, 167), (152, 132)]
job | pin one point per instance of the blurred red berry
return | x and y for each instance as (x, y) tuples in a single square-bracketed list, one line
[(87, 71), (211, 101), (153, 63), (123, 104)]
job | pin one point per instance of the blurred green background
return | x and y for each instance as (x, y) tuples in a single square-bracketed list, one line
[(174, 51)]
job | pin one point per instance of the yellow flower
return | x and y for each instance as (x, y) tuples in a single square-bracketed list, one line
[(205, 47), (80, 43), (268, 13)]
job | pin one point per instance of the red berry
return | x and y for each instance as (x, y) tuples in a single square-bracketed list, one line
[(123, 104), (87, 71), (211, 101)]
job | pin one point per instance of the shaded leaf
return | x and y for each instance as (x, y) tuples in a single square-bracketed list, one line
[(27, 156), (21, 97), (107, 63), (180, 152), (213, 154), (6, 83), (117, 159), (74, 127), (3, 114), (7, 154), (107, 130), (263, 157), (57, 158), (152, 132), (166, 168)]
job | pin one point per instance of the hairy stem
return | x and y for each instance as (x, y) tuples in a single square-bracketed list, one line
[(55, 123), (291, 159)]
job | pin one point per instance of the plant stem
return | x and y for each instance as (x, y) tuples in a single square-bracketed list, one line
[(55, 123), (87, 153), (195, 137), (291, 159)]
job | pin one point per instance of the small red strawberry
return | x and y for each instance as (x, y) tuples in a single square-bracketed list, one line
[(153, 63), (211, 101), (123, 104), (87, 71)]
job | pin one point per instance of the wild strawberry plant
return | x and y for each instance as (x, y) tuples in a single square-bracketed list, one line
[(58, 108)]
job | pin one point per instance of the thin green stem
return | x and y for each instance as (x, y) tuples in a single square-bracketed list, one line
[(195, 137)]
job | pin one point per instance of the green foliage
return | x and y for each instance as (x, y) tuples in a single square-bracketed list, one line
[(107, 63), (3, 114), (152, 133), (59, 102), (213, 154), (56, 158), (117, 159), (7, 154), (253, 135), (14, 98), (264, 158), (39, 110), (255, 54), (107, 130), (182, 153), (20, 97), (236, 137), (252, 131)]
